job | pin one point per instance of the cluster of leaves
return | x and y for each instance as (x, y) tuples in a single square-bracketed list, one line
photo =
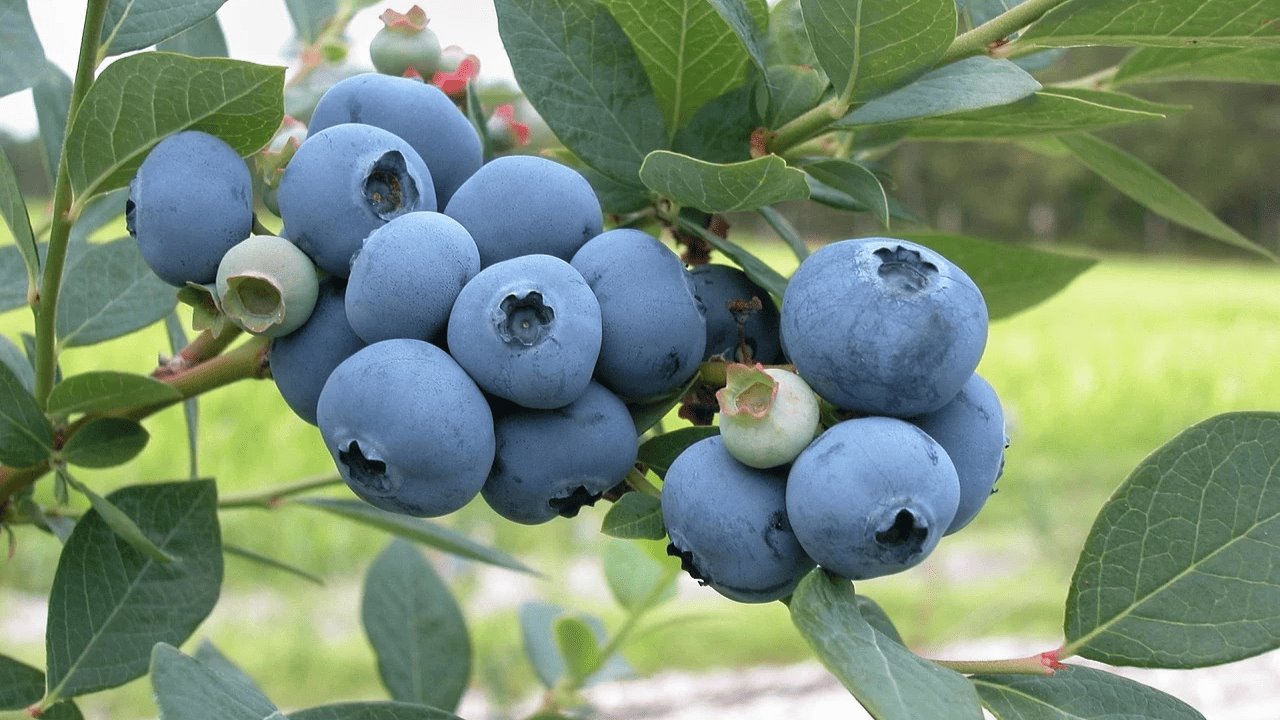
[(677, 111)]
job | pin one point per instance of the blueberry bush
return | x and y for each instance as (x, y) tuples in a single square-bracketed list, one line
[(463, 321)]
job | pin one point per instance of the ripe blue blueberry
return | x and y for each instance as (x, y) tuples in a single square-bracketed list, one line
[(717, 287), (883, 327), (420, 113), (654, 332), (409, 430), (728, 524), (302, 360), (523, 204), (343, 183), (871, 496), (553, 462), (267, 286), (527, 330), (407, 275), (971, 429), (189, 203)]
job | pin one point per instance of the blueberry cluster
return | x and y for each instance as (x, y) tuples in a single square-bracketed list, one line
[(886, 334), (458, 328)]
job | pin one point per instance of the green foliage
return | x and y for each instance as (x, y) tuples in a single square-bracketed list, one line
[(717, 188), (416, 629), (188, 689), (889, 681), (1048, 112), (637, 580), (26, 437), (635, 516), (372, 711), (310, 16), (14, 211), (1246, 65), (1077, 693), (104, 391), (972, 84), (136, 24), (204, 39), (1159, 23), (1179, 568), (856, 181), (110, 292), (660, 451), (20, 684), (52, 97), (105, 442), (20, 48), (540, 635)]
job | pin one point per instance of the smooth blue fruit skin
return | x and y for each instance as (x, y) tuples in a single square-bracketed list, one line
[(654, 332), (408, 429), (345, 182), (971, 429), (523, 204), (728, 523), (527, 330), (883, 327), (552, 462), (407, 275), (189, 203), (302, 360), (418, 112), (871, 497), (718, 285)]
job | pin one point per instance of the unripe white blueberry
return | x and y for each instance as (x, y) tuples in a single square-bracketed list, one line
[(767, 415), (267, 286)]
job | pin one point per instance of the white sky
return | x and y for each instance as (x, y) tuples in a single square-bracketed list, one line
[(260, 31)]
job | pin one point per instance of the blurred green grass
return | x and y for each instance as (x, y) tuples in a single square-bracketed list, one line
[(1093, 380)]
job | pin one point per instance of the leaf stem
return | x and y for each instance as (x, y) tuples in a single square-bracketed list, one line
[(272, 497), (62, 217), (1046, 663), (981, 39), (206, 345), (809, 125)]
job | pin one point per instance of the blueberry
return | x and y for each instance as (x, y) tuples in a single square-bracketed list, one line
[(420, 113), (654, 332), (407, 275), (409, 430), (189, 203), (728, 524), (767, 415), (883, 327), (971, 429), (523, 204), (302, 360), (871, 496), (267, 286), (553, 462), (345, 182), (405, 43), (528, 330), (717, 287)]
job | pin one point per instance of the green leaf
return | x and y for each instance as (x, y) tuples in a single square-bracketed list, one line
[(1141, 182), (793, 91), (577, 645), (638, 581), (649, 412), (721, 130), (1048, 112), (110, 603), (204, 39), (417, 530), (12, 357), (760, 272), (101, 391), (52, 97), (869, 47), (660, 451), (888, 680), (20, 684), (581, 74), (372, 711), (140, 99), (787, 42), (746, 18), (689, 52), (190, 407), (856, 181), (1245, 65), (97, 214), (209, 656), (616, 198), (719, 188), (121, 524), (108, 292), (13, 279), (310, 16), (635, 516), (26, 437), (187, 689), (971, 84), (877, 618), (269, 562), (1179, 569), (1161, 23), (1078, 693), (106, 442), (783, 228), (537, 632), (1012, 278), (20, 48), (416, 629), (136, 24), (13, 208)]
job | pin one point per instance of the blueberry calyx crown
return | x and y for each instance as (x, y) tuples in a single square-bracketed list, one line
[(905, 269), (686, 562), (525, 320), (569, 505), (903, 536), (369, 473), (388, 188)]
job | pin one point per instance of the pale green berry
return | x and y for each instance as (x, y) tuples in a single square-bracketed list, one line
[(267, 286), (767, 415)]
